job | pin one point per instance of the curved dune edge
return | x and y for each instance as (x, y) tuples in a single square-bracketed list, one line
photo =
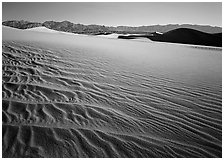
[(42, 29), (68, 102)]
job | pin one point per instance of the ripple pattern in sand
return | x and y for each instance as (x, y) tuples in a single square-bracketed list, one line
[(64, 103)]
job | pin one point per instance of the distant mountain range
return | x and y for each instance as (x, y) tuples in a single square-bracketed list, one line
[(67, 26), (169, 27)]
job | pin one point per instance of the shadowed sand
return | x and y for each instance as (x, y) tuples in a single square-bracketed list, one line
[(182, 36), (84, 96)]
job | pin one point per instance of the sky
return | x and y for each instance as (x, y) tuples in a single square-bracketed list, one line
[(116, 14)]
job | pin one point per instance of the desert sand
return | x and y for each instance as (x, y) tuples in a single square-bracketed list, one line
[(85, 96), (41, 29)]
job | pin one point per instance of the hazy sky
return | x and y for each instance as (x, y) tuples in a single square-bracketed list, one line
[(114, 14)]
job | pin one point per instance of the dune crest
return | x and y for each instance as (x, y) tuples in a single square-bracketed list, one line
[(42, 29)]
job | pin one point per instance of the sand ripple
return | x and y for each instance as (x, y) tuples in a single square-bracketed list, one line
[(65, 103)]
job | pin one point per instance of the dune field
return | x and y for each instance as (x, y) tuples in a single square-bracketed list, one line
[(67, 95)]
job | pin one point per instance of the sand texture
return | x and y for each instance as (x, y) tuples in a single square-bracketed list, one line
[(85, 96)]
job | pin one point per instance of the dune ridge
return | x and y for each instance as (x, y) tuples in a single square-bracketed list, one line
[(75, 102)]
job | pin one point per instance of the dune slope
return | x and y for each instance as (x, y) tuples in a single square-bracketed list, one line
[(82, 96), (42, 29), (190, 36)]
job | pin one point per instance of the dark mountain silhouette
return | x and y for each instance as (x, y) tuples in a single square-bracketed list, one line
[(67, 26)]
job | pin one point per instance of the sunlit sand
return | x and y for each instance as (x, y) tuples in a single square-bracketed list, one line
[(66, 95)]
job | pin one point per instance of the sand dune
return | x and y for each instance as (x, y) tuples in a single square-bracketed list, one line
[(47, 30), (42, 29), (190, 36), (116, 36), (84, 96), (113, 35), (180, 36)]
